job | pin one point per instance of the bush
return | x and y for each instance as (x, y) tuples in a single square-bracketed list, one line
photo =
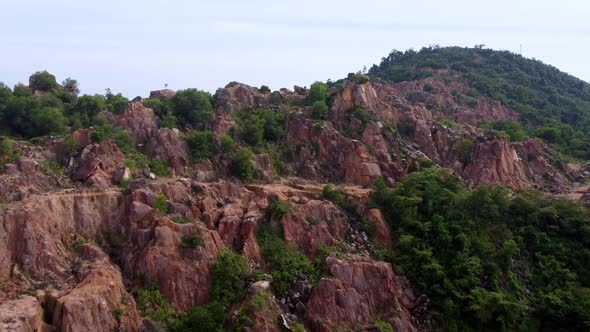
[(207, 318), (42, 80), (277, 209), (226, 143), (192, 241), (358, 77), (229, 278), (161, 204), (21, 90), (200, 145), (320, 110), (465, 152), (192, 108), (261, 125), (242, 164), (318, 91), (264, 89), (169, 121), (116, 103), (158, 167), (284, 263), (151, 304)]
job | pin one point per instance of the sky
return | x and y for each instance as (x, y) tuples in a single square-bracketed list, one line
[(134, 46)]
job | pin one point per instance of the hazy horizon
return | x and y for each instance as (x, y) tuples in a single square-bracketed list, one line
[(137, 46)]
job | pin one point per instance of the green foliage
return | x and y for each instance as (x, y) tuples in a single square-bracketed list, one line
[(277, 209), (207, 318), (21, 90), (8, 154), (490, 261), (298, 327), (264, 89), (226, 143), (320, 110), (465, 152), (260, 125), (160, 107), (161, 204), (200, 145), (180, 219), (192, 241), (318, 91), (283, 262), (513, 130), (158, 167), (242, 164), (169, 121), (358, 77), (549, 101), (193, 108), (383, 326), (153, 305), (229, 278), (116, 103), (42, 80), (52, 166)]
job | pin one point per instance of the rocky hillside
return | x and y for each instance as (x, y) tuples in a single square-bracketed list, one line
[(360, 205)]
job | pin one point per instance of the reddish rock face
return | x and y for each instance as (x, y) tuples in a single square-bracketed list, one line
[(167, 146), (162, 94), (98, 163), (97, 300), (139, 121), (358, 290), (312, 224), (23, 315)]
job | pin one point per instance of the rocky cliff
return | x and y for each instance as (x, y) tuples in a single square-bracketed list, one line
[(76, 241)]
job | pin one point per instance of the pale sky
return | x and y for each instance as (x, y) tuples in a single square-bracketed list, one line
[(137, 46)]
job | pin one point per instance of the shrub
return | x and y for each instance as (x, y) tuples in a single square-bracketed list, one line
[(180, 219), (52, 166), (358, 77), (158, 167), (229, 278), (277, 209), (192, 241), (200, 145), (153, 305), (318, 91), (21, 90), (192, 108), (282, 262), (116, 103), (242, 164), (161, 204), (320, 110), (264, 89), (226, 143), (428, 88), (42, 80), (363, 116), (465, 152), (206, 318), (169, 121)]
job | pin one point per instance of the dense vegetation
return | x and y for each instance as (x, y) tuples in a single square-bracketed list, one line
[(490, 260), (553, 105)]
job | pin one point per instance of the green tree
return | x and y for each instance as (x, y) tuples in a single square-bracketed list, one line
[(192, 108), (21, 90), (200, 144), (42, 80), (242, 164), (229, 278), (169, 121), (116, 103), (318, 91)]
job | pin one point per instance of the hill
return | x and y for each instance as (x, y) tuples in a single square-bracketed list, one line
[(552, 105)]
